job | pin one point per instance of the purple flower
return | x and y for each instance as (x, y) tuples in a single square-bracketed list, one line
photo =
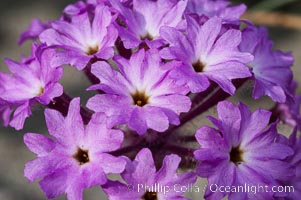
[(242, 151), (96, 2), (145, 18), (5, 112), (145, 182), (295, 160), (289, 112), (76, 157), (82, 40), (141, 94), (271, 69), (219, 8), (33, 31), (32, 80), (207, 54), (78, 8)]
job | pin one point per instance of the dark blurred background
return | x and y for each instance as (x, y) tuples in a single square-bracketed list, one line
[(15, 16)]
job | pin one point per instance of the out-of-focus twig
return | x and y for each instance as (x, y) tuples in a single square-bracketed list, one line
[(274, 19)]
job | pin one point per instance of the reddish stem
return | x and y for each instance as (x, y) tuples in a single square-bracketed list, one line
[(203, 95), (93, 79), (126, 53), (216, 97)]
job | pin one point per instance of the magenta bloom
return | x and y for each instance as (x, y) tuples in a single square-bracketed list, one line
[(145, 18), (141, 94), (219, 8), (32, 80), (207, 54), (81, 40), (5, 112), (96, 2), (271, 69), (76, 157), (145, 182), (79, 8), (33, 31), (242, 151)]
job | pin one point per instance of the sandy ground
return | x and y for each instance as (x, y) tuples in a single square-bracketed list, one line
[(14, 154)]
